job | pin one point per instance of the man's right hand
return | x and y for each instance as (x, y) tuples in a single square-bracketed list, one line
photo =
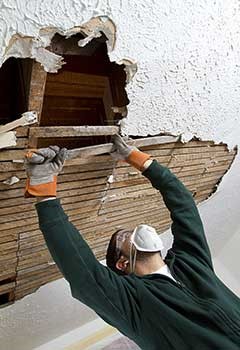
[(42, 167), (121, 150), (130, 154)]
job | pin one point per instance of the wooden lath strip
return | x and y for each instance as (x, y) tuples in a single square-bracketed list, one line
[(83, 173), (72, 131), (6, 288), (21, 292), (105, 160), (121, 185)]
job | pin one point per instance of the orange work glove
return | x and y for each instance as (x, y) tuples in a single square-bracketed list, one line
[(130, 154), (42, 167)]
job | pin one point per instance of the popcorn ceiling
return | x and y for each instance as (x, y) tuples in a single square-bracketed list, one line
[(187, 57)]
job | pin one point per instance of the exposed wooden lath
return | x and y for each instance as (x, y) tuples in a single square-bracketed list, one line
[(95, 205)]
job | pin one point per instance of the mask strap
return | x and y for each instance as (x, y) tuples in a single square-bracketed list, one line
[(133, 257)]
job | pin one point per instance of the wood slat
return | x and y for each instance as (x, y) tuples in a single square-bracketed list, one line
[(6, 288), (30, 274), (21, 292), (10, 273), (72, 131)]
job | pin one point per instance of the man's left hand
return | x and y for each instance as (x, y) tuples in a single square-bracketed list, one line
[(42, 167)]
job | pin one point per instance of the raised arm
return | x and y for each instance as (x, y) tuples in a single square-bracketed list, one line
[(108, 294), (92, 283), (187, 228)]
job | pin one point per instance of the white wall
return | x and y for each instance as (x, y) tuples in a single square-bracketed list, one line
[(188, 56)]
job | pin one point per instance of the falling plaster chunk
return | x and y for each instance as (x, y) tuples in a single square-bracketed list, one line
[(27, 118), (11, 181), (8, 139)]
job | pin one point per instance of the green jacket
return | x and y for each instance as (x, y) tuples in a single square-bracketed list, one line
[(198, 312)]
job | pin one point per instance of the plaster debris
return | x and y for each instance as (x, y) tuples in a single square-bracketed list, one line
[(23, 47), (110, 179), (36, 47), (132, 173), (11, 181), (121, 110), (186, 137), (130, 68), (27, 118), (94, 29), (18, 161), (8, 139)]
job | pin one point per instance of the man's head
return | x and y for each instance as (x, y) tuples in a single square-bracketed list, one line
[(136, 251)]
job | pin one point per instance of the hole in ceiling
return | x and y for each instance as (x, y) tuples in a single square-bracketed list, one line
[(15, 75), (84, 91)]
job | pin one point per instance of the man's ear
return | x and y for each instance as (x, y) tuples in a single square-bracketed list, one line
[(122, 263)]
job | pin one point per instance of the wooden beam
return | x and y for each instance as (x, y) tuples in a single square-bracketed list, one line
[(72, 131)]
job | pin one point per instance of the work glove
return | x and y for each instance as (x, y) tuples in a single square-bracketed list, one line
[(42, 167), (131, 154)]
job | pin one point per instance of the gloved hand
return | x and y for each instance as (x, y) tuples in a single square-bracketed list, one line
[(130, 154), (42, 167)]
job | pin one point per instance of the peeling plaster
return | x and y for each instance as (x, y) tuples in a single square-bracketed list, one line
[(35, 47), (187, 57), (11, 181), (8, 139)]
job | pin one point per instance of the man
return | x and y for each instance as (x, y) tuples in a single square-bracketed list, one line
[(176, 303)]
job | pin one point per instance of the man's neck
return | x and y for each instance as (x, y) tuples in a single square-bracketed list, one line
[(149, 266)]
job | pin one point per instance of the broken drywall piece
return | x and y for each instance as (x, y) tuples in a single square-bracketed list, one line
[(23, 47), (8, 139), (130, 68), (94, 29), (27, 118), (11, 181), (49, 60), (186, 137), (89, 38)]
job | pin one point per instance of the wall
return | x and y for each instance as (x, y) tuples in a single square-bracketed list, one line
[(187, 53)]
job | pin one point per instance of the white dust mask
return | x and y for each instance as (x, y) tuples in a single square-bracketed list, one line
[(144, 239)]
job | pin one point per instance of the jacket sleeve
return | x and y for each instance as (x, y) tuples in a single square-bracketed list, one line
[(109, 295), (187, 227)]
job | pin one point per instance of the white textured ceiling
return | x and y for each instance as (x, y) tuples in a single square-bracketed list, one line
[(188, 58)]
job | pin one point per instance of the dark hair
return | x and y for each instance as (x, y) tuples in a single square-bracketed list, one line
[(113, 254)]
